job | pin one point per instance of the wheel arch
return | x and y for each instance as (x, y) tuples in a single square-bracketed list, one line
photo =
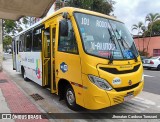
[(61, 88)]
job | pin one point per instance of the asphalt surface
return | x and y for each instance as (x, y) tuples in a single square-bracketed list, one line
[(152, 81)]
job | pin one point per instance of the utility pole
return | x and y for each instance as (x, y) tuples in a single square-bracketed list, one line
[(1, 45)]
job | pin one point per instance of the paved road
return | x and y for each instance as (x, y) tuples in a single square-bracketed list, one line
[(152, 81), (146, 102)]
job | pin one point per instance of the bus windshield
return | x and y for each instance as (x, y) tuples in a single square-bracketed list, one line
[(104, 37)]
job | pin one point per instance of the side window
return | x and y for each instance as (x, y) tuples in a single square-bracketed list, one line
[(37, 39), (17, 46), (21, 43), (68, 43), (28, 41), (14, 45)]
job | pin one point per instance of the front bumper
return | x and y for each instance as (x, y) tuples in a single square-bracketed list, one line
[(118, 97), (96, 98)]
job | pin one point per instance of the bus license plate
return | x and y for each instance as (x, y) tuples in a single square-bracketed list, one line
[(128, 97)]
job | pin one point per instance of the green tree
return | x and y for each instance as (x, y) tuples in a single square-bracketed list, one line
[(156, 28), (151, 18), (102, 6), (7, 40), (138, 27), (10, 28)]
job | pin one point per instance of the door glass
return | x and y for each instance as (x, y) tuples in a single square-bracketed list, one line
[(54, 38), (68, 43), (47, 43)]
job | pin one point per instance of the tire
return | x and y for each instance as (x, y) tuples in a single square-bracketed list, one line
[(70, 98), (158, 67), (24, 75)]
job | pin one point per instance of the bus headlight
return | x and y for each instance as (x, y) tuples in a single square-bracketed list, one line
[(101, 83)]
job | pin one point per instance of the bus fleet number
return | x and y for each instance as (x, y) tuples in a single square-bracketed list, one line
[(85, 21)]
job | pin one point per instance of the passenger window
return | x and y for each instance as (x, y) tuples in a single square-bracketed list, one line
[(37, 39), (28, 41), (68, 43), (21, 43)]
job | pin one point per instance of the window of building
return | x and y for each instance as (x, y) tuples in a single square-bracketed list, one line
[(68, 43), (28, 41), (156, 52), (37, 39)]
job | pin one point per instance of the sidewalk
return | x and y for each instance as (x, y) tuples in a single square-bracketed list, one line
[(13, 100)]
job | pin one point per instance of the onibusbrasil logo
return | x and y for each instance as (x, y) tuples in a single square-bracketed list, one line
[(38, 73)]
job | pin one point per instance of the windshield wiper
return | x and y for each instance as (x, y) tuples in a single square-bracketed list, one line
[(110, 57), (122, 40)]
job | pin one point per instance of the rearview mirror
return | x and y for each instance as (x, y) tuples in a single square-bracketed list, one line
[(63, 27)]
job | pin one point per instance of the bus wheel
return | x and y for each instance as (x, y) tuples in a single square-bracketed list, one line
[(70, 98), (24, 75)]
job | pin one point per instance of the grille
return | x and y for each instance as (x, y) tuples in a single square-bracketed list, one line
[(115, 71), (36, 97), (3, 81), (126, 88)]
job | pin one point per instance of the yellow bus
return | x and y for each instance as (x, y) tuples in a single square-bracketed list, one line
[(87, 58)]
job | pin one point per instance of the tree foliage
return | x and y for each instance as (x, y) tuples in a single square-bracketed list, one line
[(151, 18), (102, 6), (7, 40), (152, 29), (155, 29), (139, 28), (10, 28)]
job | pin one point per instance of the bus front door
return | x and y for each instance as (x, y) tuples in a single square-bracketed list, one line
[(48, 77)]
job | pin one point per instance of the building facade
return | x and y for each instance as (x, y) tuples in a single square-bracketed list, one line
[(153, 45)]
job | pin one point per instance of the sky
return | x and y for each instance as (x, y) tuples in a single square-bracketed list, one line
[(133, 11)]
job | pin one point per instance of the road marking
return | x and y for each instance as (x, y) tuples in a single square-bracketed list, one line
[(148, 76)]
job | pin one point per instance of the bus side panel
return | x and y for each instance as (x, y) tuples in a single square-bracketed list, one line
[(69, 68), (33, 66)]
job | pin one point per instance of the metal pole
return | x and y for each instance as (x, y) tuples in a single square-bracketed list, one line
[(1, 45)]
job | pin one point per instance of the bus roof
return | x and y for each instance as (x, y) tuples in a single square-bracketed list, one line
[(70, 10)]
